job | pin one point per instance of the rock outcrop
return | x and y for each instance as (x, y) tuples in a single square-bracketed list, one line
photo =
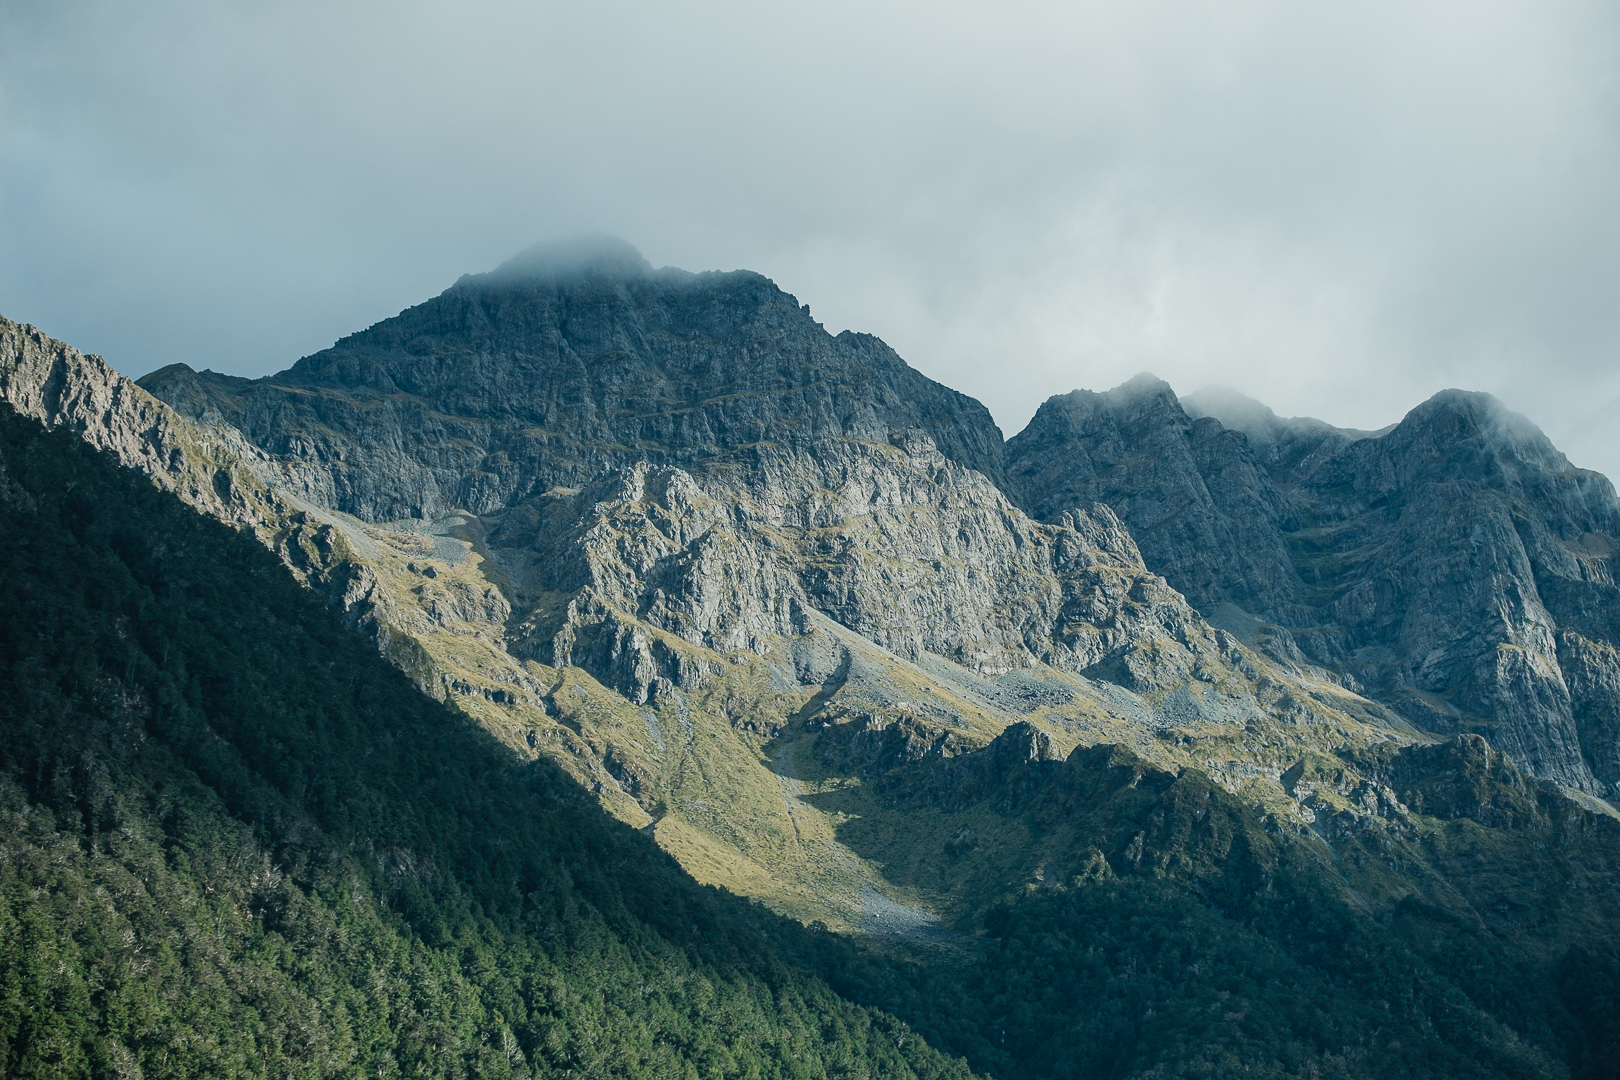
[(60, 386), (209, 465), (662, 457), (1197, 501), (896, 542)]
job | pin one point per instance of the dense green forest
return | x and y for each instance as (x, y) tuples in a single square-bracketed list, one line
[(237, 842), (1181, 934)]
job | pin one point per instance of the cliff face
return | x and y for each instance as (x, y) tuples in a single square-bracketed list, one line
[(1455, 566), (661, 528), (59, 386), (693, 454), (1193, 494), (209, 465)]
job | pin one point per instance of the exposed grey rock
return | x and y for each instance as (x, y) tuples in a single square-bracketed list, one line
[(895, 542), (1592, 672), (1433, 564), (683, 486), (1290, 448), (672, 467), (565, 363), (209, 466), (1197, 501), (62, 387), (1447, 542)]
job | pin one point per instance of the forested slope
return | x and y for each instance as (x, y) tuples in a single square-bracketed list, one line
[(237, 842), (1123, 920)]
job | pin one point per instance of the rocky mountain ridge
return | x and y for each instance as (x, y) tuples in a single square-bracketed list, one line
[(1454, 566), (239, 844), (728, 569), (528, 378)]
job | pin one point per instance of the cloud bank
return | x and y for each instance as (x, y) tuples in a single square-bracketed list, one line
[(1337, 208)]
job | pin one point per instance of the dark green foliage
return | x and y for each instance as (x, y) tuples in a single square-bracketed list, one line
[(1179, 934), (233, 841), (1173, 988), (1590, 987)]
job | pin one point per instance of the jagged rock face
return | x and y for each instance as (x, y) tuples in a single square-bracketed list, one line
[(896, 542), (211, 467), (1591, 670), (705, 534), (740, 466), (60, 386), (1199, 504), (1434, 564), (1290, 449), (667, 458), (1462, 541), (557, 367), (878, 575)]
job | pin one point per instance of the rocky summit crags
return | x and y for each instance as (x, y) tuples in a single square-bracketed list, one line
[(669, 481), (562, 364), (1454, 566)]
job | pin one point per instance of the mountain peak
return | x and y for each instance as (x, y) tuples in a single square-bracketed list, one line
[(1144, 386), (1477, 407), (574, 358), (1232, 408), (1143, 382), (588, 254), (1454, 417)]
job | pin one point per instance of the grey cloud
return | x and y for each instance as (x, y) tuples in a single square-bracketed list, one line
[(1337, 209)]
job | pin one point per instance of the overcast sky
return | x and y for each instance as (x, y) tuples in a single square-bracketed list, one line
[(1338, 208)]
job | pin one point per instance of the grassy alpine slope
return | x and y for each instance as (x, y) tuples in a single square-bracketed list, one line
[(238, 843)]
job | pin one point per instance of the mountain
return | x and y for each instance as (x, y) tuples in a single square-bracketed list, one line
[(1195, 498), (561, 365), (210, 467), (859, 570), (238, 843), (1068, 743), (1455, 566)]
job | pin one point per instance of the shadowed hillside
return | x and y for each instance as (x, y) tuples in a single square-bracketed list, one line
[(238, 843)]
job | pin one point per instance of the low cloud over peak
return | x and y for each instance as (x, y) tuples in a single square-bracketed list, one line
[(1339, 210), (575, 256)]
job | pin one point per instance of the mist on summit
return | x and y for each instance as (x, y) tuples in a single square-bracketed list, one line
[(1075, 542), (588, 253), (1339, 210), (589, 584)]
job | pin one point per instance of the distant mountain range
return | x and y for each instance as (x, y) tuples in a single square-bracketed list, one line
[(1346, 703)]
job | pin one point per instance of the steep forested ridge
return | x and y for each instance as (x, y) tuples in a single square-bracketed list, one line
[(1203, 943), (237, 842)]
